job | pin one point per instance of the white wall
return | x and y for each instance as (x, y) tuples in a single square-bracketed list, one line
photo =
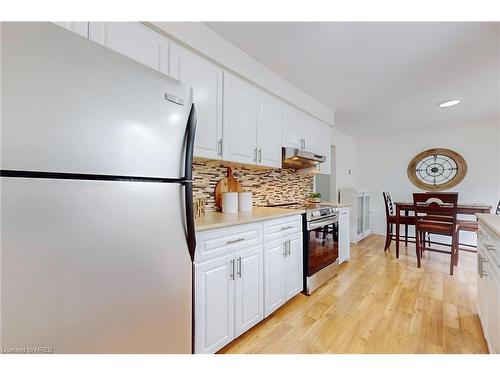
[(345, 160), (383, 161), (208, 43)]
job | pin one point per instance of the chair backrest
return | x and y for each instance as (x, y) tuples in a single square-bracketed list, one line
[(498, 209), (389, 206), (435, 208)]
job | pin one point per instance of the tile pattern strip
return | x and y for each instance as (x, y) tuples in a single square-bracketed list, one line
[(268, 185)]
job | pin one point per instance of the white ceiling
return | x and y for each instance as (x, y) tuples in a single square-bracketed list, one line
[(383, 77)]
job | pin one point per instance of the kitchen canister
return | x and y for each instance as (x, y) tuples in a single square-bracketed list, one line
[(230, 202), (245, 201)]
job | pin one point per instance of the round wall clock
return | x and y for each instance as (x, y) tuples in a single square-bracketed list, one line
[(437, 169)]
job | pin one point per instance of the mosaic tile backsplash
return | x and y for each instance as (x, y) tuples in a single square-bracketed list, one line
[(269, 186)]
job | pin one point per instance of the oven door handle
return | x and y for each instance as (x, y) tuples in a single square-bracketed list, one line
[(321, 223)]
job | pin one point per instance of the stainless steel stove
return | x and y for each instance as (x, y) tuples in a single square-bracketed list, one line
[(320, 241)]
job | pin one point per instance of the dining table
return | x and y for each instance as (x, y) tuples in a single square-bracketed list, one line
[(462, 209)]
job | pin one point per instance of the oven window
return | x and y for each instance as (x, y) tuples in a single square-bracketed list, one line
[(323, 247)]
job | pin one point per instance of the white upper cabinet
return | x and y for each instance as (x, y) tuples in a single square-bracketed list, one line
[(239, 120), (322, 145), (133, 40), (269, 131), (206, 80), (80, 28), (294, 122)]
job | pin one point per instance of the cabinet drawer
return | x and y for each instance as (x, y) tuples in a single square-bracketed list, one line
[(278, 228), (218, 242)]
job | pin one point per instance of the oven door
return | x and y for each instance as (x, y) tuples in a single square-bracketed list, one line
[(322, 244)]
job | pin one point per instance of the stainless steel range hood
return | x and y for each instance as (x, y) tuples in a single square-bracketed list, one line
[(298, 158)]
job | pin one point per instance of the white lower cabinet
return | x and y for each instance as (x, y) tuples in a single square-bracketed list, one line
[(283, 272), (294, 266), (248, 278), (249, 290), (344, 235), (488, 286), (214, 304), (229, 298), (275, 276)]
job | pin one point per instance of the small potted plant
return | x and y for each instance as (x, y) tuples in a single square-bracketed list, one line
[(315, 197)]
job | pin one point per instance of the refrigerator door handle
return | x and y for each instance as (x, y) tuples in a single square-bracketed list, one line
[(188, 185)]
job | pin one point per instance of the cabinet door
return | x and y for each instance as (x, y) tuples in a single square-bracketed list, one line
[(214, 304), (366, 214), (293, 127), (133, 40), (81, 28), (493, 304), (239, 121), (294, 270), (269, 131), (274, 276), (481, 297), (249, 289), (360, 217), (323, 146), (206, 80), (344, 245)]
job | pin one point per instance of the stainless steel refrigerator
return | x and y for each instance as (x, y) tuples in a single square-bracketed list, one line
[(97, 231)]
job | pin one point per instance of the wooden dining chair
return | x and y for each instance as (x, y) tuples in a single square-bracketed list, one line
[(436, 213), (390, 214)]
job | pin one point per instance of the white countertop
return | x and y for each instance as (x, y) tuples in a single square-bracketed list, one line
[(491, 221), (214, 220)]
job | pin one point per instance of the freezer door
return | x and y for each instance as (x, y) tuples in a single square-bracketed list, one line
[(71, 105), (94, 267)]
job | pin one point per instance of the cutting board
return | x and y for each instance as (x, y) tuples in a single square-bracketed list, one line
[(227, 184)]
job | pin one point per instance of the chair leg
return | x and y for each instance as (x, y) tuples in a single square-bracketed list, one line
[(388, 237), (417, 246), (454, 251), (406, 235)]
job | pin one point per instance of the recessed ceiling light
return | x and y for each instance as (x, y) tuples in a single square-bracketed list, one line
[(449, 103)]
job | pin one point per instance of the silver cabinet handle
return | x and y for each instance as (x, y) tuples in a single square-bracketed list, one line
[(260, 155), (231, 272), (481, 270), (219, 147), (284, 248), (238, 272), (489, 247), (288, 227), (229, 242), (289, 248), (304, 143), (255, 155)]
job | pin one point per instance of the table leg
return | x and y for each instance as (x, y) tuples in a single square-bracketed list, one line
[(397, 231)]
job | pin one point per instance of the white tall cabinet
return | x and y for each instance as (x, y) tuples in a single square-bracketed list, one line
[(344, 235), (359, 199)]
